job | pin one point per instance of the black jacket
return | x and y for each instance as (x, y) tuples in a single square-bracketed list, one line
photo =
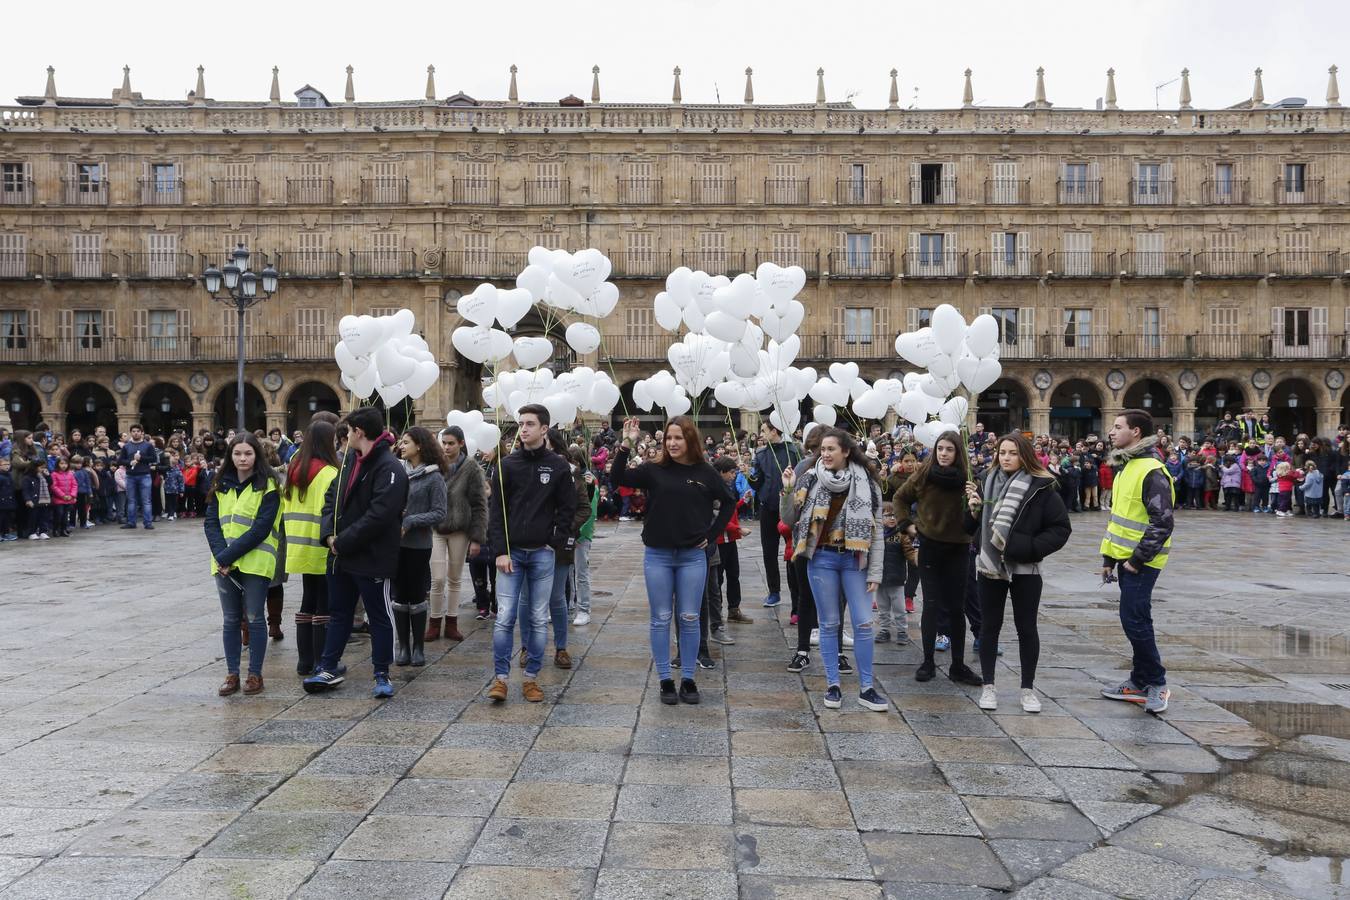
[(535, 488), (364, 510), (1042, 525), (766, 471)]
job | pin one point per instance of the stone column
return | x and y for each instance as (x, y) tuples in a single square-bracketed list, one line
[(203, 420), (1183, 420), (125, 421), (275, 418), (1040, 419), (55, 420), (1328, 418)]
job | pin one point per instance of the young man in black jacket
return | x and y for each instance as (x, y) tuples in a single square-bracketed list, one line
[(766, 477), (361, 523), (529, 518)]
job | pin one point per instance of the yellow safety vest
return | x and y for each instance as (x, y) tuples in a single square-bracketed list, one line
[(300, 519), (1129, 515), (236, 511)]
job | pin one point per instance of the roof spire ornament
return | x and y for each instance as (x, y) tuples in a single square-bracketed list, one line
[(431, 83), (350, 94), (1258, 92), (1041, 102), (199, 92), (1184, 102), (749, 86), (512, 94), (893, 101), (595, 84), (124, 95), (1110, 89), (676, 96), (49, 95), (1333, 89), (274, 96), (820, 87), (968, 93)]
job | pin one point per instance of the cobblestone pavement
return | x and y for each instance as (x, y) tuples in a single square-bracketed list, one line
[(125, 775)]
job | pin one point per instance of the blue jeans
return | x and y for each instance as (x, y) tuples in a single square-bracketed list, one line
[(235, 603), (582, 567), (1136, 617), (138, 495), (531, 582), (675, 582), (834, 575), (557, 611)]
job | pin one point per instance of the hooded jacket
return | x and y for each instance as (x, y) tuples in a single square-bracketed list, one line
[(425, 508), (363, 511), (534, 489)]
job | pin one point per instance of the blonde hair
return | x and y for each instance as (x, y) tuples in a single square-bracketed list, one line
[(1283, 469)]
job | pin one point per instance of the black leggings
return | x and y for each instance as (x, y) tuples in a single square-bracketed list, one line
[(412, 585), (942, 571), (806, 608), (314, 600), (1026, 600)]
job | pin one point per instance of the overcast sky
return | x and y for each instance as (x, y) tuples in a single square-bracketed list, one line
[(637, 43)]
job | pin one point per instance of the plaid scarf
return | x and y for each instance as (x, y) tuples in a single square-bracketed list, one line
[(1003, 500), (853, 525)]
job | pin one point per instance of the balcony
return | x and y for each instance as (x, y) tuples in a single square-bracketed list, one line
[(809, 260), (1076, 343), (158, 264), (1229, 264), (639, 191), (82, 264), (309, 191), (862, 264), (1304, 264), (161, 191), (234, 191), (842, 344), (307, 263), (20, 264), (485, 263), (384, 263), (1081, 264), (715, 262), (1224, 193), (1155, 264), (1298, 191), (787, 191), (1079, 192), (16, 192), (1152, 192), (640, 264), (857, 192), (712, 191), (384, 190), (1018, 264), (78, 191), (475, 192), (932, 191), (1007, 191), (935, 264), (548, 192)]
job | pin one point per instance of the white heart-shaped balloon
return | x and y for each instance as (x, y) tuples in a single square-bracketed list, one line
[(678, 405), (917, 347), (473, 342), (532, 351), (534, 278), (583, 337), (681, 359), (949, 328), (844, 373), (982, 336), (744, 362), (942, 365), (871, 405), (540, 256), (912, 407), (731, 394), (668, 314), (401, 323), (361, 334), (783, 353), (367, 382), (693, 318), (934, 387), (480, 307), (825, 415), (725, 327), (393, 394), (677, 286), (604, 397), (780, 284), (512, 306), (427, 374), (641, 398), (347, 362), (394, 366), (978, 374), (584, 271), (929, 432), (499, 347), (562, 409), (954, 410), (602, 300)]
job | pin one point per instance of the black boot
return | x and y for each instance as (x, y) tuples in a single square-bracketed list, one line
[(304, 643), (319, 637), (418, 624), (402, 635)]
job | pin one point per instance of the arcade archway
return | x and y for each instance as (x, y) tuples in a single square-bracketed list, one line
[(164, 408), (1155, 398), (255, 408), (1076, 409), (306, 400), (89, 405), (1293, 409), (22, 404)]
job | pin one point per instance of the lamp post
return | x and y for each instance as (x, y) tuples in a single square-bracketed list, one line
[(241, 292)]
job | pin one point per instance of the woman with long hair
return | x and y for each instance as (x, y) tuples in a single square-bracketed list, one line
[(461, 534), (835, 516), (937, 493), (685, 514), (426, 465), (1020, 521), (308, 477), (241, 515)]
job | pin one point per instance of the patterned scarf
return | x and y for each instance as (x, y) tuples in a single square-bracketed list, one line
[(854, 523), (1003, 498)]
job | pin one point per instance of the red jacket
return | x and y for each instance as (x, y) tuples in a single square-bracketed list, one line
[(733, 526), (1105, 477)]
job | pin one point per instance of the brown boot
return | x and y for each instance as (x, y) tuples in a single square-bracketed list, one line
[(452, 629), (274, 619), (231, 686), (253, 684), (433, 629)]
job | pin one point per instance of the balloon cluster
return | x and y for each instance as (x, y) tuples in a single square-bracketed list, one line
[(955, 355), (727, 322), (381, 354), (478, 434)]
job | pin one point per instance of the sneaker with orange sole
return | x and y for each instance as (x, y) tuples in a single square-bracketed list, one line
[(1128, 691)]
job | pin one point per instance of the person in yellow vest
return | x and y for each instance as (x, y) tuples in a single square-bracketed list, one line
[(1135, 549), (241, 530), (311, 470)]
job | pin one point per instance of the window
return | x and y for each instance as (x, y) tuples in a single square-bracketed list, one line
[(1077, 328), (712, 251), (1152, 183), (14, 329), (163, 329), (1297, 258), (641, 186), (858, 251), (311, 256), (785, 186), (1296, 327), (1080, 182), (640, 331), (14, 182), (916, 318), (1077, 254), (640, 253), (932, 183), (477, 187), (86, 258), (89, 329), (311, 328), (89, 177), (162, 259), (1006, 317), (713, 184), (1149, 258), (385, 255), (1295, 178), (1004, 186), (1223, 183), (164, 178), (477, 255), (858, 326), (13, 255), (787, 248), (930, 249), (1150, 325), (1010, 254)]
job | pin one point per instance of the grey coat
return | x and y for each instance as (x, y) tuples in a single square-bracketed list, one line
[(425, 508), (466, 502)]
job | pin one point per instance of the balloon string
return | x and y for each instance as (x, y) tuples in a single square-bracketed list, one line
[(501, 482)]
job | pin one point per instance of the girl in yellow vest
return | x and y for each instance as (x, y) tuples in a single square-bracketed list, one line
[(311, 471), (241, 529)]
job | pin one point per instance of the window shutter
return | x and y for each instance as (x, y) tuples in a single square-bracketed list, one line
[(840, 326), (185, 323), (1094, 171), (1026, 329), (34, 323), (913, 256), (110, 322), (1023, 253), (1162, 320), (949, 258), (915, 188), (65, 324), (1317, 329), (996, 261), (139, 324), (1167, 172), (1277, 325), (912, 319)]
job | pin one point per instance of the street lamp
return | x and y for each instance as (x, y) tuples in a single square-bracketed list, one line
[(1293, 399), (1076, 400), (165, 406), (1148, 401), (89, 404), (313, 403), (241, 292), (16, 405), (1219, 400)]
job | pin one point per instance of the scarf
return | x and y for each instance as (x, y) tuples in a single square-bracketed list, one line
[(1117, 457), (1004, 497), (854, 523)]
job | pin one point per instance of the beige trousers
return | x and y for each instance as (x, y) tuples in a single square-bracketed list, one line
[(447, 567)]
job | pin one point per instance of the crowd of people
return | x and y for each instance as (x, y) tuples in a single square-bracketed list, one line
[(379, 527)]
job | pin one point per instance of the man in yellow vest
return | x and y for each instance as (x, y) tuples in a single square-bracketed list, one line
[(1135, 549)]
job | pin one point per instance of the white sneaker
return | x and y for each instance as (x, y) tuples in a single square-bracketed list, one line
[(815, 637), (625, 518), (44, 536), (1030, 702), (847, 640), (35, 537), (582, 619), (988, 697)]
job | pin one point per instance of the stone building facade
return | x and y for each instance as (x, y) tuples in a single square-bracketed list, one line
[(1189, 260)]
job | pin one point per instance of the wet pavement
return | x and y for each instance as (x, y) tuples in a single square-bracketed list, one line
[(126, 776)]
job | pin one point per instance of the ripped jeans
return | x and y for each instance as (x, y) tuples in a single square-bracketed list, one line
[(675, 581), (833, 574)]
